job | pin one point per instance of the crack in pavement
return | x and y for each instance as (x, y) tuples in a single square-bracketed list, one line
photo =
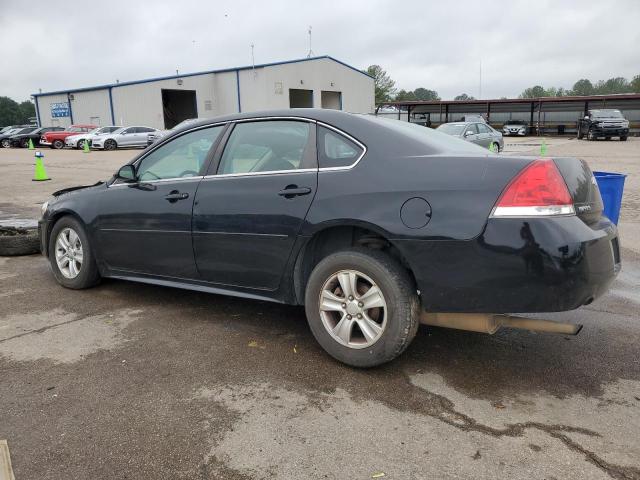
[(44, 329), (467, 423)]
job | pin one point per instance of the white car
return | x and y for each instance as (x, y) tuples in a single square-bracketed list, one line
[(77, 141), (123, 138), (515, 127)]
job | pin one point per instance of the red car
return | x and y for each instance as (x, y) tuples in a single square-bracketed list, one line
[(56, 139)]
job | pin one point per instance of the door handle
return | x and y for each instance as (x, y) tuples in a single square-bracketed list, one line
[(175, 195), (291, 191)]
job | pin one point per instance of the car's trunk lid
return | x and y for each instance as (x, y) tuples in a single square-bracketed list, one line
[(582, 188)]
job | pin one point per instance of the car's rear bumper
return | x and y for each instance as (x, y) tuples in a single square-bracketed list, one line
[(517, 265)]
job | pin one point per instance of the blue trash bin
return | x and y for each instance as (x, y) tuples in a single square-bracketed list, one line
[(611, 186)]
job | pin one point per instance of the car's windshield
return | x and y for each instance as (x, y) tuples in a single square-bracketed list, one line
[(452, 128), (74, 129), (516, 122), (25, 130), (95, 130), (607, 114)]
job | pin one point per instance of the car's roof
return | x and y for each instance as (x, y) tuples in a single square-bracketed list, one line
[(459, 123)]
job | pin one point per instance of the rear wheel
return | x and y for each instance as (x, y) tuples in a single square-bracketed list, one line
[(80, 144), (495, 147), (71, 256), (57, 144), (591, 135), (110, 144), (24, 143), (580, 133), (623, 138), (362, 307)]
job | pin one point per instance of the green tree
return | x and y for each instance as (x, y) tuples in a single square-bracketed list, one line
[(534, 92), (613, 85), (582, 87), (27, 111), (384, 85), (404, 96), (426, 94), (9, 112), (634, 85), (464, 96)]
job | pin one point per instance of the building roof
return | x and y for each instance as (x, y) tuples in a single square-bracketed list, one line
[(193, 74), (411, 103)]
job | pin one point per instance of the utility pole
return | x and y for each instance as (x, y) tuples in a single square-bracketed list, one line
[(480, 89)]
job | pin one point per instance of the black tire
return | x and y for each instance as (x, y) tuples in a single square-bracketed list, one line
[(80, 144), (580, 133), (497, 147), (6, 143), (591, 136), (57, 144), (623, 138), (110, 144), (24, 143), (88, 276), (18, 241), (402, 306)]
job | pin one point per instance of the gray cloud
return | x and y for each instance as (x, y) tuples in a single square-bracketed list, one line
[(429, 44)]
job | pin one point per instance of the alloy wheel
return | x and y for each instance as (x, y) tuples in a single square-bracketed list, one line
[(353, 309), (69, 253)]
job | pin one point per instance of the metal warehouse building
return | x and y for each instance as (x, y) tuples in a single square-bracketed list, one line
[(164, 102)]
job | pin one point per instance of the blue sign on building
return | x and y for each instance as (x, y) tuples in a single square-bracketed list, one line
[(60, 110)]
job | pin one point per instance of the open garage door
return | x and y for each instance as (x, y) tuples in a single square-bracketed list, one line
[(331, 100), (178, 105), (300, 98)]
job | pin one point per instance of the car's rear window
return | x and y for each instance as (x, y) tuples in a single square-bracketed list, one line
[(433, 139)]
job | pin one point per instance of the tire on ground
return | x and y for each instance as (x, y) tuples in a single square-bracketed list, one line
[(88, 275), (399, 290), (18, 241)]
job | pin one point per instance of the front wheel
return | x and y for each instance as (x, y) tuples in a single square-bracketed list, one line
[(623, 138), (24, 143), (71, 256), (6, 143), (110, 145), (58, 144), (580, 133), (80, 144), (591, 135), (362, 307)]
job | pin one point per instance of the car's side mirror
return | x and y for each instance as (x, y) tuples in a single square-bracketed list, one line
[(587, 117), (126, 173), (468, 133)]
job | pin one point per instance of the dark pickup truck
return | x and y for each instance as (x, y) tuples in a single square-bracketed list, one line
[(603, 123)]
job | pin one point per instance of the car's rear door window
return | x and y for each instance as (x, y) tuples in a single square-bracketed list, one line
[(473, 128), (336, 150), (266, 146), (482, 128), (181, 157)]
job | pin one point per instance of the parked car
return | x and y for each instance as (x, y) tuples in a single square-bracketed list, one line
[(155, 136), (124, 137), (6, 129), (515, 127), (22, 139), (369, 223), (474, 132), (56, 139), (77, 141), (5, 138), (603, 123)]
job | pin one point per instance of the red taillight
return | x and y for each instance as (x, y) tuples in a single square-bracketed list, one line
[(539, 189)]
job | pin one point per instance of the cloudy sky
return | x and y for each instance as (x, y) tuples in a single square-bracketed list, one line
[(436, 45)]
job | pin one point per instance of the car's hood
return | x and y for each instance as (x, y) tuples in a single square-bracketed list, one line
[(78, 136), (73, 189)]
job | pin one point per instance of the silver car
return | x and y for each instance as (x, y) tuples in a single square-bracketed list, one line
[(474, 132), (77, 141), (128, 137), (515, 127)]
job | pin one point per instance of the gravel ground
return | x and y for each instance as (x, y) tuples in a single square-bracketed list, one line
[(131, 381)]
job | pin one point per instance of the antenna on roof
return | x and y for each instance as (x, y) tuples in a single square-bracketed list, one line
[(253, 61), (310, 54)]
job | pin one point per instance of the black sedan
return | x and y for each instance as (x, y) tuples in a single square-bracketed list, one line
[(22, 139), (5, 141), (368, 223)]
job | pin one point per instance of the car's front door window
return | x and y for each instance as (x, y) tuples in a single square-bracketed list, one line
[(182, 157), (266, 146)]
